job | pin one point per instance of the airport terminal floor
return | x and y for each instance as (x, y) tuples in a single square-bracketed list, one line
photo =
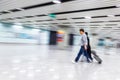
[(43, 62)]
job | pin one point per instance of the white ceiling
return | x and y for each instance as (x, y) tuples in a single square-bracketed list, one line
[(70, 9)]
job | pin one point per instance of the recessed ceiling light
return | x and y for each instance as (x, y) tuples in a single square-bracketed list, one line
[(19, 8), (88, 17), (110, 15), (17, 27), (118, 5), (17, 23), (57, 1), (6, 11)]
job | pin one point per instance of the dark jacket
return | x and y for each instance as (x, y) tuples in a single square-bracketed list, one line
[(88, 46)]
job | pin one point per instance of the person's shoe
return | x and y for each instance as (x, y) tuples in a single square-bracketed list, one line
[(74, 61), (91, 61), (88, 62)]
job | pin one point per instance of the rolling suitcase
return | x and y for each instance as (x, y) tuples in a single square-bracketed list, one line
[(97, 58)]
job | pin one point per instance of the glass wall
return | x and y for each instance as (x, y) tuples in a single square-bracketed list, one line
[(44, 37), (17, 34), (77, 39)]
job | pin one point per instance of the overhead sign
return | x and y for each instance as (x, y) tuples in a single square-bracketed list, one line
[(53, 16)]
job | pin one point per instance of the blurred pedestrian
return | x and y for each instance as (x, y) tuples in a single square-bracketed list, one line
[(88, 46), (83, 49)]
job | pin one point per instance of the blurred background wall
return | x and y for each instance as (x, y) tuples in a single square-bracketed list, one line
[(12, 33)]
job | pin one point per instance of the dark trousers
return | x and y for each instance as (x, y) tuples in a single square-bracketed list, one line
[(89, 52), (84, 52)]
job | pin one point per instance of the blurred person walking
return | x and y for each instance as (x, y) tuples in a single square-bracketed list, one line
[(83, 49), (89, 47), (92, 52)]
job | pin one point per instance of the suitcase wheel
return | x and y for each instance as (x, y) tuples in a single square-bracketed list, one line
[(100, 62)]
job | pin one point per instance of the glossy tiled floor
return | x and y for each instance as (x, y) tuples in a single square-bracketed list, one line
[(32, 62)]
